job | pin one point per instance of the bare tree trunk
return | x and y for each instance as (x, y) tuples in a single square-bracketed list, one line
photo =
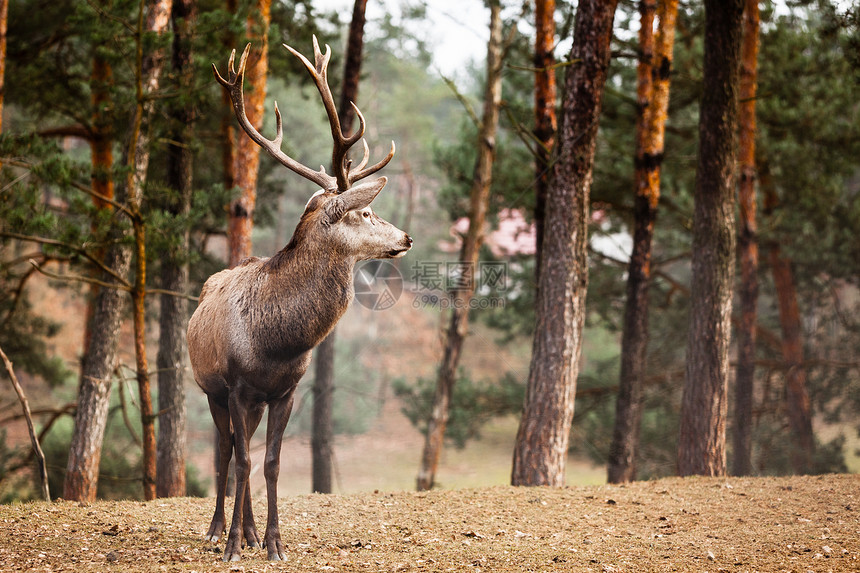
[(173, 319), (4, 24), (479, 197), (654, 71), (322, 438), (246, 160), (702, 443), (545, 116), (798, 405), (747, 245), (797, 398), (101, 158), (322, 428), (104, 311), (82, 469), (541, 446)]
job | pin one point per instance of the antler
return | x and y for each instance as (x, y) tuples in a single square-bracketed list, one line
[(343, 176), (340, 163), (233, 85)]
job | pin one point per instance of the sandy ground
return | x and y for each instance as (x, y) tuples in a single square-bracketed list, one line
[(694, 524)]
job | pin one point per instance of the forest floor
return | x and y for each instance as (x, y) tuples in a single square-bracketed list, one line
[(693, 524)]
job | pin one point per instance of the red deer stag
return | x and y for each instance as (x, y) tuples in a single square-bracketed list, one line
[(251, 337)]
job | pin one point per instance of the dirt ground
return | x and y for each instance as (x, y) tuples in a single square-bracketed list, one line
[(694, 524)]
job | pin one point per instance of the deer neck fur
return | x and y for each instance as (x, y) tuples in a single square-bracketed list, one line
[(304, 289)]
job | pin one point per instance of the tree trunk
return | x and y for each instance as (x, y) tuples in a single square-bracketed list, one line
[(541, 446), (322, 428), (104, 311), (545, 116), (4, 24), (798, 405), (654, 71), (101, 158), (322, 438), (797, 398), (82, 469), (150, 67), (702, 443), (479, 196), (747, 245), (246, 160), (173, 317), (85, 452)]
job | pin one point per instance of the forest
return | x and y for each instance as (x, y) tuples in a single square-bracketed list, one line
[(636, 239)]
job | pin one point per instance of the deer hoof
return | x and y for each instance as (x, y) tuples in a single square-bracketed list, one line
[(233, 549), (252, 538), (276, 551)]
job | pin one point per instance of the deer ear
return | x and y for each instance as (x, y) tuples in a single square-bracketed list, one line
[(357, 197)]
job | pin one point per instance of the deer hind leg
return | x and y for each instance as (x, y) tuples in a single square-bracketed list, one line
[(243, 415), (223, 453), (249, 527), (279, 415)]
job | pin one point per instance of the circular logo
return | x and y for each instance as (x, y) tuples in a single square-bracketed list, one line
[(378, 284)]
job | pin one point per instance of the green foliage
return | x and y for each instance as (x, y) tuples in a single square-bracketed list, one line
[(473, 404), (809, 139)]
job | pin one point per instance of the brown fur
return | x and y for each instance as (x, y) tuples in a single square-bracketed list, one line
[(251, 337)]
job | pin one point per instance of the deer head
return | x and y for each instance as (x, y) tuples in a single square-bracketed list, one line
[(344, 214)]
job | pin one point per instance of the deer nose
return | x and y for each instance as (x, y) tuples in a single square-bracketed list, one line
[(408, 240)]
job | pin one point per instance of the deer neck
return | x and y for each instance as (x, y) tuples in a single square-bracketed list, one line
[(308, 275)]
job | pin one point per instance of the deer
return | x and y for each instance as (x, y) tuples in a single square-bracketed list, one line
[(251, 336)]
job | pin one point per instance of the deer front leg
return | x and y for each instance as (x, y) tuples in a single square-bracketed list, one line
[(223, 453), (249, 527), (242, 416), (279, 415)]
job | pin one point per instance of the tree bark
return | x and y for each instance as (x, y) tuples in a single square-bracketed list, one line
[(546, 123), (322, 430), (82, 469), (541, 445), (747, 245), (322, 427), (4, 25), (101, 158), (85, 451), (461, 298), (798, 405), (654, 71), (173, 311), (246, 160), (150, 67), (701, 448)]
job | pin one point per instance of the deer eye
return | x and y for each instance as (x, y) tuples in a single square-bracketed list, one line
[(366, 215)]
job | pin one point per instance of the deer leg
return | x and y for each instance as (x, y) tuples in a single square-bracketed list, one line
[(249, 527), (279, 414), (241, 414), (223, 453)]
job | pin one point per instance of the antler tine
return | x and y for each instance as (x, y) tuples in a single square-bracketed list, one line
[(341, 143), (234, 86), (365, 157), (362, 173)]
